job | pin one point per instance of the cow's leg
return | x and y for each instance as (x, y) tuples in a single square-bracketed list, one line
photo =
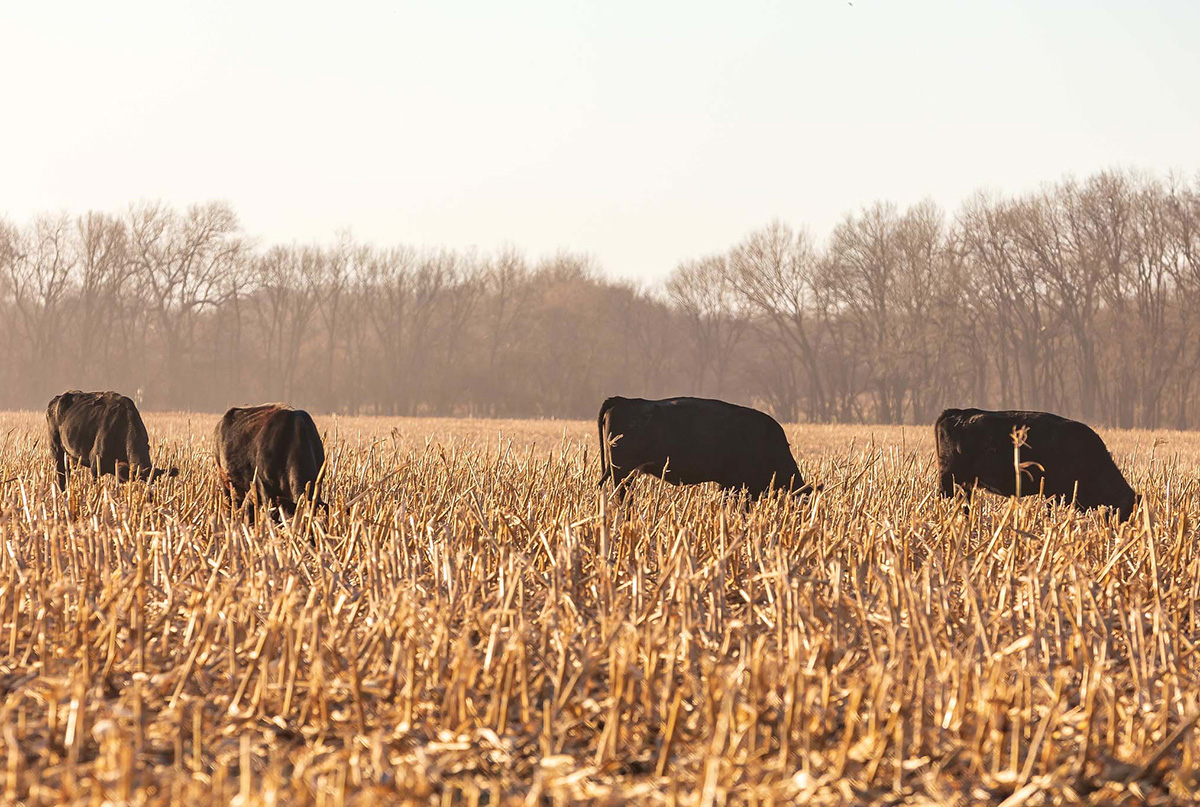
[(294, 490), (968, 490), (756, 494), (96, 463), (306, 490), (309, 491), (750, 497), (620, 487), (287, 507), (241, 499), (729, 495), (237, 495), (228, 494), (302, 488), (605, 476), (739, 497), (265, 499), (60, 464), (1053, 500), (946, 485)]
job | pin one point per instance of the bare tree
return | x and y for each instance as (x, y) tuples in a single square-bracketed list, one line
[(508, 298), (334, 281), (1051, 245), (388, 287), (1012, 292), (775, 271), (104, 273), (287, 281), (39, 273), (1080, 297), (1183, 216), (704, 295), (863, 272), (464, 289), (186, 264)]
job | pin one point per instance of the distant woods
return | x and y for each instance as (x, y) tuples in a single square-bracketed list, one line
[(1082, 298)]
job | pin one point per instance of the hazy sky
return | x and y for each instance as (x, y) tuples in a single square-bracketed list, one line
[(641, 133)]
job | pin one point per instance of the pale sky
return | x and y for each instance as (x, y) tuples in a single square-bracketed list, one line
[(641, 133)]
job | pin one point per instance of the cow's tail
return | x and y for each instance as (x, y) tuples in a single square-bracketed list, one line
[(53, 418), (939, 434), (944, 451), (605, 458)]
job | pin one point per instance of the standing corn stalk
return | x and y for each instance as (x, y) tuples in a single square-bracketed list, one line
[(1019, 434)]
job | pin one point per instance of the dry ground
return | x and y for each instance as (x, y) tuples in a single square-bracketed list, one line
[(472, 626)]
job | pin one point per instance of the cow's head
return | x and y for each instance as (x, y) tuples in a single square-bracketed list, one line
[(1127, 510), (1124, 508), (155, 473)]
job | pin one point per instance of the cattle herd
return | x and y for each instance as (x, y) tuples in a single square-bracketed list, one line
[(276, 451), (273, 449)]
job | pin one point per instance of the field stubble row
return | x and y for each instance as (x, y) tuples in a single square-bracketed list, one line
[(475, 624)]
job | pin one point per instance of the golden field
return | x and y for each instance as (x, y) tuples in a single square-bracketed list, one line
[(474, 625)]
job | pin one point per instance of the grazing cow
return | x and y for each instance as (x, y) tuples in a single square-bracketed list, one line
[(1061, 458), (102, 431), (686, 441), (274, 446)]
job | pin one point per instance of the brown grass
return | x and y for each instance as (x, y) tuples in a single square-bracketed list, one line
[(480, 628)]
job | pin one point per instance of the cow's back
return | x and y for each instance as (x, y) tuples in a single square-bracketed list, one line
[(273, 443), (1077, 463), (244, 437), (1059, 456), (748, 445), (695, 440), (306, 453), (101, 427)]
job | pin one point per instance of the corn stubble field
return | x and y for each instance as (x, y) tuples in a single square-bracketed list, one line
[(473, 626)]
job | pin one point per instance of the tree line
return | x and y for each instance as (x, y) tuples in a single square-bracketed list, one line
[(1080, 298)]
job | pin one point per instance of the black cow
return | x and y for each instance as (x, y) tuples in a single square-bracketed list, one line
[(1061, 458), (687, 441), (274, 447), (102, 431)]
